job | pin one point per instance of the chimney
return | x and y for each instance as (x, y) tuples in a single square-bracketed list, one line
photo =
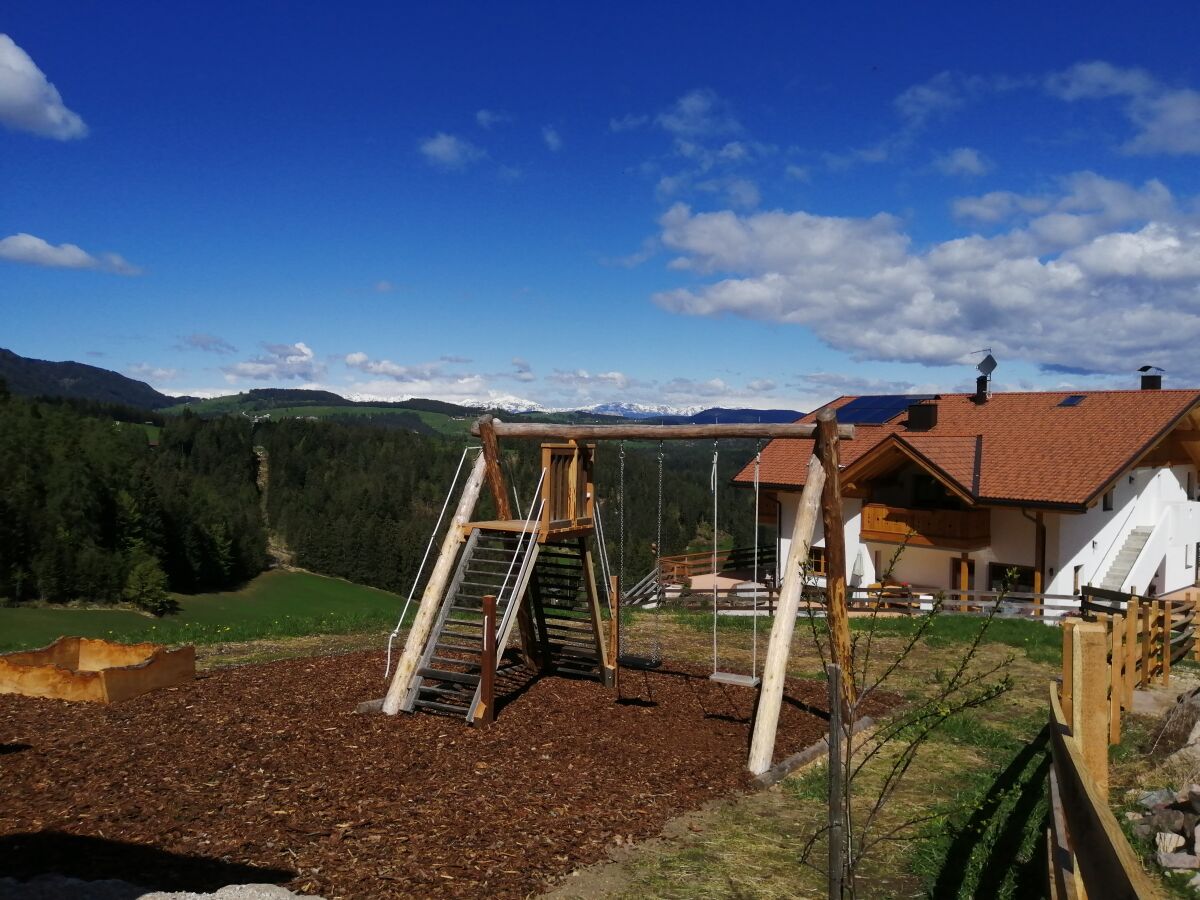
[(922, 416), (1151, 378), (981, 390)]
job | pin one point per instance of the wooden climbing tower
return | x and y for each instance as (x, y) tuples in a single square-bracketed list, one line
[(537, 568)]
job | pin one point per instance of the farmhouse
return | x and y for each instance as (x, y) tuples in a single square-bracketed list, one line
[(1068, 489)]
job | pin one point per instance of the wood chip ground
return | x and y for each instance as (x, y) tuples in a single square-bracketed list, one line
[(264, 773)]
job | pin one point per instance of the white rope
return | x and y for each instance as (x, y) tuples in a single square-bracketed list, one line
[(521, 540), (424, 559), (714, 556)]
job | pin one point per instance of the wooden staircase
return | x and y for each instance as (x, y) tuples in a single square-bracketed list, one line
[(570, 636), (497, 563)]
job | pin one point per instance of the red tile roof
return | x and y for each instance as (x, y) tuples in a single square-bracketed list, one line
[(1015, 448)]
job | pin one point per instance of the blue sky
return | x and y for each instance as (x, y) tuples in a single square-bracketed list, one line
[(763, 206)]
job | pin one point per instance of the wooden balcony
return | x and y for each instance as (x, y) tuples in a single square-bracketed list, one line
[(968, 529)]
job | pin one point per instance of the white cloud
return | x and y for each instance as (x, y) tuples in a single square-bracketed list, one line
[(28, 101), (490, 118), (761, 386), (584, 381), (1098, 79), (25, 248), (279, 362), (416, 372), (552, 138), (962, 161), (798, 173), (446, 151), (1167, 119), (152, 373), (384, 287), (698, 113), (209, 343), (1104, 278), (627, 122), (997, 206), (522, 371)]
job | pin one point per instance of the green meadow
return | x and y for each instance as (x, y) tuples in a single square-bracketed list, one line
[(275, 604)]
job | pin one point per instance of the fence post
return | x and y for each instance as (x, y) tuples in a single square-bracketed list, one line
[(1089, 707), (1146, 627), (837, 816), (486, 711), (1131, 634), (1068, 656), (1116, 679), (1167, 631)]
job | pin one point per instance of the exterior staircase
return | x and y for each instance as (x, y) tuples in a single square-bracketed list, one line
[(1119, 570), (494, 562)]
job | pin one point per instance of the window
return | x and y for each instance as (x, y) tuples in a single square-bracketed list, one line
[(1107, 502), (1188, 555), (1191, 485), (998, 578), (1078, 573), (816, 561)]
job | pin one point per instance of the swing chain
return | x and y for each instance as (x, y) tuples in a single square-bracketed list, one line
[(621, 532)]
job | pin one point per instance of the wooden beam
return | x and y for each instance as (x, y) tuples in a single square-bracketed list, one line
[(770, 698), (431, 599), (1039, 558), (964, 578), (495, 478), (835, 555), (550, 431)]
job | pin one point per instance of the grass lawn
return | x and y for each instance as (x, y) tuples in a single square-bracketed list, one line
[(982, 779), (275, 604)]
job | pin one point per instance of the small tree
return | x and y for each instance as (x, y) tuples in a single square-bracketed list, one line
[(146, 587), (901, 737)]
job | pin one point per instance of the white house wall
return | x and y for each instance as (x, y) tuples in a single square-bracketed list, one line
[(1154, 497)]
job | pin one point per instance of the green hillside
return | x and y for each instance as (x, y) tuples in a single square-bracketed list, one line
[(274, 604)]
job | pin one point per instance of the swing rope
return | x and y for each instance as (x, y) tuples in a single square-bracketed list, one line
[(656, 644)]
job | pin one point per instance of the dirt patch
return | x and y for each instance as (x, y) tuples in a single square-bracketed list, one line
[(266, 767)]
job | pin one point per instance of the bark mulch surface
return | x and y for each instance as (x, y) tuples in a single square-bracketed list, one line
[(265, 773)]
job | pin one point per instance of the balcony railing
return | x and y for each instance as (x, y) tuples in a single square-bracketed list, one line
[(966, 529)]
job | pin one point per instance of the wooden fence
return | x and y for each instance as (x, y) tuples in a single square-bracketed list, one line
[(1120, 643)]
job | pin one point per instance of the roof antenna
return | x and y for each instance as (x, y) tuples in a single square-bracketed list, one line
[(986, 367)]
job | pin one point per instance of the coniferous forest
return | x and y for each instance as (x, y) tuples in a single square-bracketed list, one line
[(91, 510)]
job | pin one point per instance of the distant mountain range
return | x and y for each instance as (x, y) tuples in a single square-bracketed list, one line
[(42, 378), (36, 377)]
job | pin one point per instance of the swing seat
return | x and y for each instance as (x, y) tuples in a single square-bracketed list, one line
[(639, 662), (735, 679)]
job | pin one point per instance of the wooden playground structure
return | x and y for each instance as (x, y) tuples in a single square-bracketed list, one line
[(530, 572)]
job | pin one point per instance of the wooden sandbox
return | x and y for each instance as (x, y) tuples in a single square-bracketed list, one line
[(98, 671)]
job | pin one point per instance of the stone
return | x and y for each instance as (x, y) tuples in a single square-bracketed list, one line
[(1193, 797), (1157, 798), (1167, 820), (1178, 860), (1168, 841), (1194, 884), (1132, 815)]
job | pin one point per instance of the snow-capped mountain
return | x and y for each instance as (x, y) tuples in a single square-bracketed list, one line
[(507, 403), (639, 410)]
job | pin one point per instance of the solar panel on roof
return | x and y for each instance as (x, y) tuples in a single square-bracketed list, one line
[(876, 410), (1073, 400)]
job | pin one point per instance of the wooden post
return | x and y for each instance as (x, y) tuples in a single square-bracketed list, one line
[(1146, 628), (770, 697), (1068, 663), (836, 612), (1167, 629), (1039, 560), (964, 579), (834, 772), (486, 711), (1089, 713), (1116, 681), (1132, 617), (495, 478), (431, 599)]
